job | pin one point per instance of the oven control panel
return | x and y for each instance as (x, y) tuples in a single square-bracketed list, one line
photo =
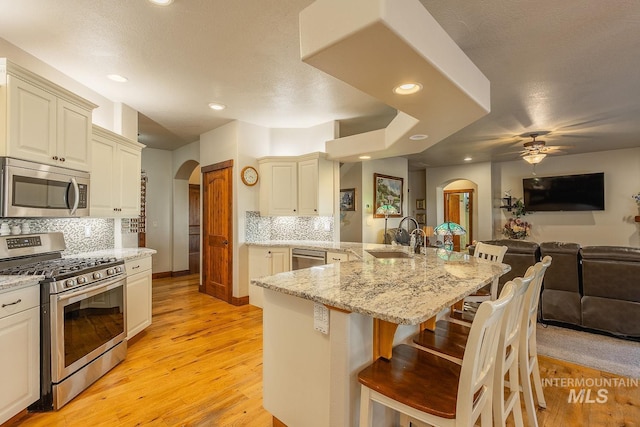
[(23, 242)]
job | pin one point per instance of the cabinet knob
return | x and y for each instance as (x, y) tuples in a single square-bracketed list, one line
[(62, 159), (55, 157), (294, 210)]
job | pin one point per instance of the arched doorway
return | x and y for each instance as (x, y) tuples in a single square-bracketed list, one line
[(186, 218), (460, 207)]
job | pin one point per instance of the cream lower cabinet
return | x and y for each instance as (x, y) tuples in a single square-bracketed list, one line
[(337, 257), (115, 175), (45, 122), (19, 350), (266, 261), (139, 294)]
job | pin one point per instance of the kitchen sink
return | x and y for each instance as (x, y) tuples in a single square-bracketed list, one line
[(389, 254)]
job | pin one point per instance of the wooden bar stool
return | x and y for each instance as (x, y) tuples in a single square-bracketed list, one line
[(488, 293), (432, 389), (528, 353), (451, 339)]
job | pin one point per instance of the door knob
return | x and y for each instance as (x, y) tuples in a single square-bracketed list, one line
[(225, 242)]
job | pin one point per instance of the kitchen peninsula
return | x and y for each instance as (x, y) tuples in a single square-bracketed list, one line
[(310, 377)]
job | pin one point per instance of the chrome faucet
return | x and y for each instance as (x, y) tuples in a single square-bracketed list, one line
[(417, 233)]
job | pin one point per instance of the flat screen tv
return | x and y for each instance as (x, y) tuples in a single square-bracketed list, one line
[(564, 193)]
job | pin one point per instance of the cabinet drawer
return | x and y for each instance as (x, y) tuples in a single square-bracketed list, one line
[(139, 265), (19, 300)]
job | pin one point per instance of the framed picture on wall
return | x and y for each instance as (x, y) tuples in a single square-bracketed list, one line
[(420, 204), (387, 195), (421, 218), (348, 199)]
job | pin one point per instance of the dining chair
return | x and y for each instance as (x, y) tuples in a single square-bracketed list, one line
[(450, 340), (528, 353), (432, 389)]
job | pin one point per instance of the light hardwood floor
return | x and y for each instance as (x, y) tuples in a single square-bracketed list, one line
[(200, 364)]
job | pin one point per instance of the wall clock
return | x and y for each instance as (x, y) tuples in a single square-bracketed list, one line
[(249, 176)]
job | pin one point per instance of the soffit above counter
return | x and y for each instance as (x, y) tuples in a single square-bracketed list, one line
[(376, 45)]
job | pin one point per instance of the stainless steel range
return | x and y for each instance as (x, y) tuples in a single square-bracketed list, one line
[(82, 317)]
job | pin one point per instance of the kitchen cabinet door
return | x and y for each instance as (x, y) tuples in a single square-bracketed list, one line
[(128, 172), (20, 355), (279, 188), (115, 175), (31, 122), (139, 295), (73, 136), (337, 257), (45, 128), (266, 261)]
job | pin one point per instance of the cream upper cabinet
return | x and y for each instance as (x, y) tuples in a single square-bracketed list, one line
[(301, 186), (281, 176), (44, 122), (115, 175)]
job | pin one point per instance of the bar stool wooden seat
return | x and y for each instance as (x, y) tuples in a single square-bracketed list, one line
[(432, 389), (451, 339)]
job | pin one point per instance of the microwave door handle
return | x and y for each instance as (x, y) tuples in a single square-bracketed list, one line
[(76, 199)]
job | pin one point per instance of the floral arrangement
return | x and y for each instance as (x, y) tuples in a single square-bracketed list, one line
[(516, 228), (636, 197)]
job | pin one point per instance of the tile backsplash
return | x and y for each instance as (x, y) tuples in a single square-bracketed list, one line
[(262, 228), (80, 234)]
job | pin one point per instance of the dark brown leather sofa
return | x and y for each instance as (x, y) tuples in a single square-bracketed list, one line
[(611, 289), (562, 293)]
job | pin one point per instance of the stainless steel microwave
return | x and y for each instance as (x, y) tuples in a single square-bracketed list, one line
[(31, 189)]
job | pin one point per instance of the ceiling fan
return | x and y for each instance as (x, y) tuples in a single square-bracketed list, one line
[(536, 150)]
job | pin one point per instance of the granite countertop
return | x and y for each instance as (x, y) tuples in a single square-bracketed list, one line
[(9, 283), (126, 254), (399, 290)]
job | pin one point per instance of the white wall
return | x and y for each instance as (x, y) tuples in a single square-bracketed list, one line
[(104, 115), (613, 226), (295, 142), (373, 228), (351, 221), (157, 164)]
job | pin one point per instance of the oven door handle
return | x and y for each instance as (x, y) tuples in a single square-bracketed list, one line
[(76, 199), (309, 257), (85, 292)]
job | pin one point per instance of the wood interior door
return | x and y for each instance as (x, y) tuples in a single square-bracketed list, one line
[(452, 214), (217, 230), (194, 229)]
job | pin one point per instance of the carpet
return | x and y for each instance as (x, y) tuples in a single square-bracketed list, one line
[(605, 353)]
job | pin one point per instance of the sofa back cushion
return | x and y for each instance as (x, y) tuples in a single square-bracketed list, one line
[(611, 272), (565, 271)]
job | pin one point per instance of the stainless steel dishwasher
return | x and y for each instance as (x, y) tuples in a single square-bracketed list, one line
[(305, 258)]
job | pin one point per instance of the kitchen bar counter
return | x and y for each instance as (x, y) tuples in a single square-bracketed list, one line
[(310, 376), (395, 289), (9, 283)]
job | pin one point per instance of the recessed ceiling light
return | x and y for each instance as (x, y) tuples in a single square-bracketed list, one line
[(407, 88), (364, 157), (117, 78), (418, 137), (162, 2), (468, 159), (216, 106)]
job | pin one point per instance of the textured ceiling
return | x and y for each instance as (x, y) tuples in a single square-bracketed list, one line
[(570, 67)]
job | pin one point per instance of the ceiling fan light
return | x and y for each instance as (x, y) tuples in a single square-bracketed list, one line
[(534, 159)]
